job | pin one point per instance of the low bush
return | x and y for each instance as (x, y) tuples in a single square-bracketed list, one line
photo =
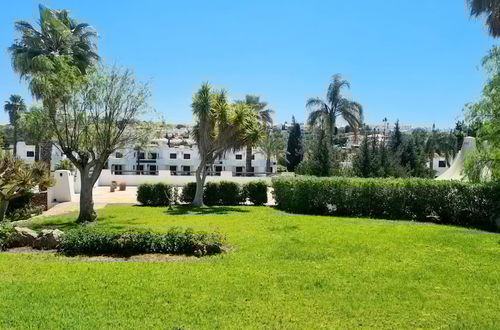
[(215, 193), (188, 192), (5, 231), (256, 192), (159, 194), (20, 202), (211, 194), (230, 193), (442, 201), (95, 241)]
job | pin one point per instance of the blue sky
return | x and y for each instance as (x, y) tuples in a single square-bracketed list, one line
[(417, 61)]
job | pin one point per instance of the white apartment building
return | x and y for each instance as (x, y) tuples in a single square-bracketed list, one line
[(183, 160)]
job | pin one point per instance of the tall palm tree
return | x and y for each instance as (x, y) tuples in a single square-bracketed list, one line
[(15, 107), (490, 9), (325, 112), (265, 119), (56, 35)]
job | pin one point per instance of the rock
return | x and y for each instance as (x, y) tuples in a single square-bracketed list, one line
[(22, 236), (48, 239)]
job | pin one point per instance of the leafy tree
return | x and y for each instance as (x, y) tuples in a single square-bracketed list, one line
[(325, 112), (15, 107), (34, 126), (96, 120), (264, 116), (362, 163), (16, 177), (490, 9), (295, 148), (319, 159), (272, 145), (219, 127), (485, 115)]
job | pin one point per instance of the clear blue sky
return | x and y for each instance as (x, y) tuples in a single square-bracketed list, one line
[(413, 60)]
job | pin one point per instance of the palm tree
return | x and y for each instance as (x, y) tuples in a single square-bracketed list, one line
[(490, 9), (15, 107), (57, 35), (325, 112), (265, 119), (219, 127), (272, 145)]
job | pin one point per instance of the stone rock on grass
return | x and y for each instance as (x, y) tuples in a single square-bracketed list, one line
[(22, 236), (200, 250), (48, 239)]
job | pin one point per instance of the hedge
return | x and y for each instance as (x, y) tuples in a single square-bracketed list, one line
[(226, 193), (442, 201), (159, 194), (95, 241), (256, 192)]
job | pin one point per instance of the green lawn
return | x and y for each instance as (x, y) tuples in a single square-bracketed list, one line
[(286, 271)]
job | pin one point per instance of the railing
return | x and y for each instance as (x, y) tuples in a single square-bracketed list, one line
[(190, 173), (134, 172)]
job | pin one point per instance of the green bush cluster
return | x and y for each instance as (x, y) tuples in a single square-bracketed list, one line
[(256, 192), (227, 193), (158, 194), (95, 241), (441, 201), (6, 230)]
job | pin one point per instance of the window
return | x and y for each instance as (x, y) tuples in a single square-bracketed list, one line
[(117, 169), (30, 154), (140, 169), (152, 170), (187, 156), (218, 169), (154, 155), (442, 163), (118, 155), (173, 156), (186, 170), (239, 170), (239, 156), (253, 157), (173, 169), (141, 155)]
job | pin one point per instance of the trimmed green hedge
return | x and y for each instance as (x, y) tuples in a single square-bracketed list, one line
[(159, 194), (441, 201), (256, 192), (96, 241)]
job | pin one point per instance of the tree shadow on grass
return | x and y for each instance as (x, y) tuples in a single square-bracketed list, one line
[(207, 210)]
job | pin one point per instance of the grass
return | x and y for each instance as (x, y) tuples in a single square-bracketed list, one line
[(287, 271)]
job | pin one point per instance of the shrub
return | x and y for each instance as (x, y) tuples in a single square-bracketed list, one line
[(256, 192), (442, 201), (96, 241), (159, 194), (211, 194), (188, 192), (5, 231), (20, 202), (229, 193)]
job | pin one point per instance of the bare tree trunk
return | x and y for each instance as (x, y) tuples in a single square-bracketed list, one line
[(268, 164), (248, 166), (200, 183), (87, 212), (4, 204), (46, 152), (431, 161)]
